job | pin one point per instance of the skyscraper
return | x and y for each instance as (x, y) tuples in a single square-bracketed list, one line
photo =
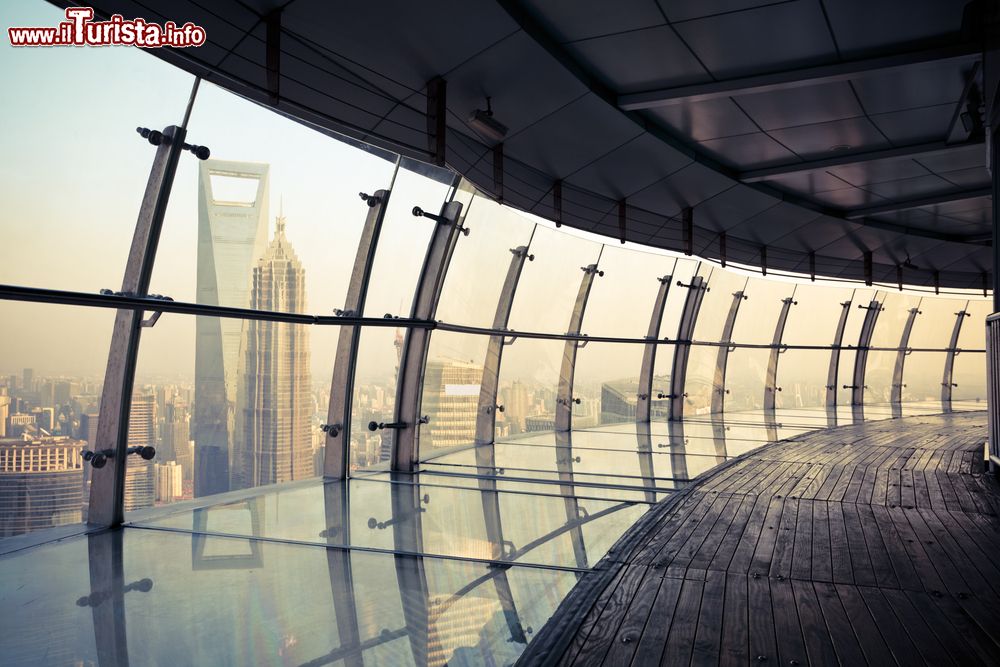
[(41, 483), (274, 443), (139, 480), (232, 232), (451, 400)]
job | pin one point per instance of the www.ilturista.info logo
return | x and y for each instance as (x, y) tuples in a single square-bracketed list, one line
[(79, 29)]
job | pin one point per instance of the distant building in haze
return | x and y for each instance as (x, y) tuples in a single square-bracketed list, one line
[(232, 233), (41, 483), (274, 441)]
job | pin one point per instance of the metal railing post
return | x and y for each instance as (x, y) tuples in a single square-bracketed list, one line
[(948, 378), (447, 229), (486, 417), (838, 343), (685, 331), (644, 399), (108, 482), (564, 395), (896, 395), (771, 387), (336, 458), (864, 342), (719, 380)]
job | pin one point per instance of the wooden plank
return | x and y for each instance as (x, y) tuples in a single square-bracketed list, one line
[(787, 630), (877, 550), (708, 637), (905, 649), (762, 637), (602, 633), (816, 637), (684, 624), (861, 565), (869, 639), (802, 551), (590, 620), (623, 648), (661, 616), (735, 624)]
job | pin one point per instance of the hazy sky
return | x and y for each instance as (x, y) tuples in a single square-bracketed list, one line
[(74, 176)]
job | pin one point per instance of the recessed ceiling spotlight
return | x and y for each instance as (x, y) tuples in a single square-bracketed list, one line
[(485, 124), (840, 147)]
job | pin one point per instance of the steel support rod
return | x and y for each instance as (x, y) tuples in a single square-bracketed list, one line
[(864, 344), (896, 395), (415, 342), (838, 341), (564, 395), (682, 351), (771, 387), (644, 399), (721, 361), (486, 417), (644, 447), (414, 594), (336, 458), (948, 379), (108, 483)]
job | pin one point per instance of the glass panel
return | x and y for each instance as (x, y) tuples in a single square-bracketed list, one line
[(891, 321), (802, 377), (856, 317), (529, 379), (878, 376), (758, 314), (969, 375), (717, 303), (606, 381), (402, 245), (450, 395), (746, 373), (699, 381), (549, 285), (53, 582), (935, 323), (684, 271), (51, 377), (628, 272), (379, 350), (922, 373), (223, 419), (814, 318), (973, 333), (480, 263), (71, 194), (845, 375), (275, 197)]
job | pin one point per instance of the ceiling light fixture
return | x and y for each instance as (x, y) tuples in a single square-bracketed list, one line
[(485, 124)]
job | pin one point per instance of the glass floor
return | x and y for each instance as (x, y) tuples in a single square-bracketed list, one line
[(458, 564)]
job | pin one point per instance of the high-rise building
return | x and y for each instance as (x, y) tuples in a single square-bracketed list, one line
[(139, 481), (28, 379), (274, 442), (169, 479), (232, 232), (88, 427), (4, 411), (41, 483), (451, 400)]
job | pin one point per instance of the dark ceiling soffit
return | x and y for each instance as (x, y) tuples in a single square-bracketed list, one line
[(902, 152), (907, 204), (806, 76), (924, 233)]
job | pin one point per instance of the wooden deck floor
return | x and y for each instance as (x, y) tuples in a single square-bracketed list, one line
[(877, 543)]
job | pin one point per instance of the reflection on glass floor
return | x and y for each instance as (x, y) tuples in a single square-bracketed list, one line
[(460, 563)]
